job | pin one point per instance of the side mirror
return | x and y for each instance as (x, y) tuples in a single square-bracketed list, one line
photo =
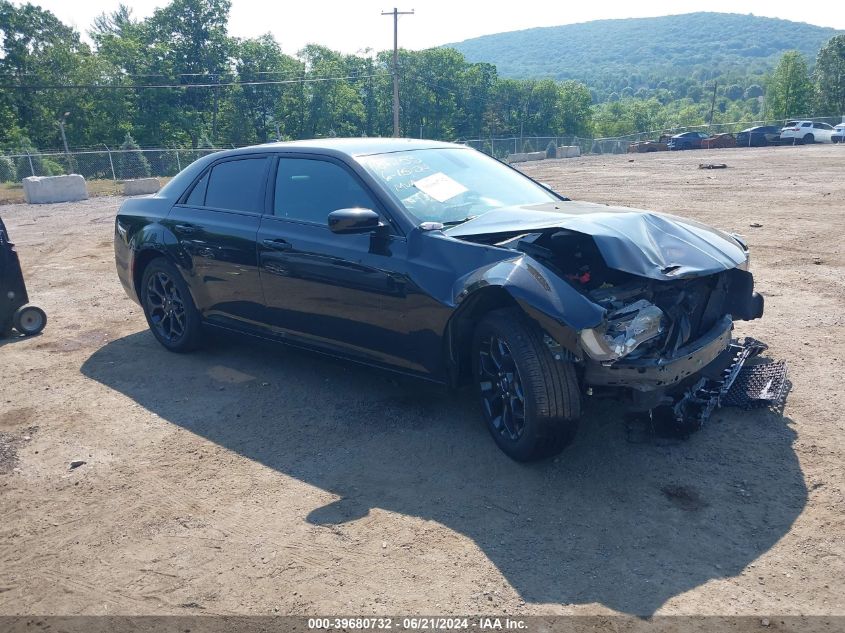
[(353, 221)]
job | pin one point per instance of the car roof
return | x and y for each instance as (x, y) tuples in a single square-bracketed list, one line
[(362, 146)]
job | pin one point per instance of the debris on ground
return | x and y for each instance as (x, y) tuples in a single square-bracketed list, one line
[(755, 225), (76, 464), (712, 166)]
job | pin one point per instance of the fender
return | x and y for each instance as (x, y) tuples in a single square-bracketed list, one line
[(557, 308), (537, 289), (136, 244)]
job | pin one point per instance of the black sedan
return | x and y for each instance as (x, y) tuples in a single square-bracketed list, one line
[(759, 136), (435, 260), (687, 140)]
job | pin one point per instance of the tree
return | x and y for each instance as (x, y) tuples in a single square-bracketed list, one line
[(789, 92), (36, 48), (734, 92), (257, 109), (753, 91), (131, 162), (829, 76)]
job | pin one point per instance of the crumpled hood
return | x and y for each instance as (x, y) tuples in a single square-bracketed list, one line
[(643, 243)]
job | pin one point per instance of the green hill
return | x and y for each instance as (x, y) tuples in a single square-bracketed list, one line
[(694, 45)]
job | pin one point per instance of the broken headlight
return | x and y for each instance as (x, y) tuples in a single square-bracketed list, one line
[(623, 331)]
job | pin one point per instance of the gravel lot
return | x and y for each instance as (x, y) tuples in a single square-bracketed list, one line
[(250, 479)]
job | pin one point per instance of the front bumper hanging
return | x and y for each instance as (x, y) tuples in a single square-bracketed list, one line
[(742, 384)]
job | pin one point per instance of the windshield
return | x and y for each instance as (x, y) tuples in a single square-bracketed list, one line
[(453, 184)]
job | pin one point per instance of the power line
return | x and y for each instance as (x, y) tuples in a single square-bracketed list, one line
[(185, 86)]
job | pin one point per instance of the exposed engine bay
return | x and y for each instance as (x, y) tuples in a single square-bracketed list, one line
[(644, 317)]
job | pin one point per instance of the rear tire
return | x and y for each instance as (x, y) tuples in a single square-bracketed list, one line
[(530, 401), (29, 320), (171, 314)]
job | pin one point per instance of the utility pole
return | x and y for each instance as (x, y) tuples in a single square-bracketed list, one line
[(64, 140), (713, 104), (62, 128), (216, 78), (396, 13)]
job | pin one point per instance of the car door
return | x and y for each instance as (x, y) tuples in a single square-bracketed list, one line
[(216, 223), (823, 132), (336, 292)]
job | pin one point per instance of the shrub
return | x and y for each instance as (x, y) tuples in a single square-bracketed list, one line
[(51, 168), (8, 171)]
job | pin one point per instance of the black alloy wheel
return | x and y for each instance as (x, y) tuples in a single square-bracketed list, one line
[(502, 395), (530, 399), (171, 314), (167, 309)]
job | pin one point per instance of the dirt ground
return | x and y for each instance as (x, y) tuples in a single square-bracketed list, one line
[(251, 479)]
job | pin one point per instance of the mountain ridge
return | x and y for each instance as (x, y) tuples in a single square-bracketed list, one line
[(668, 46)]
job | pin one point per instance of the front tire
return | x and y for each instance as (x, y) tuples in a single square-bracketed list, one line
[(530, 401), (809, 139), (171, 314)]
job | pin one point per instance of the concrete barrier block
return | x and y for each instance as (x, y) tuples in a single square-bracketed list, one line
[(141, 186), (526, 156), (568, 151), (46, 189)]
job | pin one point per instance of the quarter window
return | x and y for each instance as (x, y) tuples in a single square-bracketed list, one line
[(237, 185), (311, 189), (197, 197)]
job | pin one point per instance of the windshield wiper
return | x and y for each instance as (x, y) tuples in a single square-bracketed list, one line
[(457, 222)]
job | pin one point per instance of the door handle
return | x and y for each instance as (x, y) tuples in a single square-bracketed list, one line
[(278, 245), (187, 229)]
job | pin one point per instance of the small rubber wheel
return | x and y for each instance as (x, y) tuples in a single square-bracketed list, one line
[(29, 320), (530, 401), (171, 314)]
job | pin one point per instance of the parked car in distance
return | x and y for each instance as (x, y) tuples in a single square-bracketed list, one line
[(718, 141), (643, 147), (838, 135), (806, 132), (687, 140), (758, 136), (435, 260)]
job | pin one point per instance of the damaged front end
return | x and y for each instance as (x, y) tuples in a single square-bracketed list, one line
[(666, 323)]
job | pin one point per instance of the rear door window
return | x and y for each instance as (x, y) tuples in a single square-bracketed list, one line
[(237, 185)]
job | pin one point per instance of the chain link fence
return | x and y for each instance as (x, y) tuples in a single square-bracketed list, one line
[(105, 164), (119, 165)]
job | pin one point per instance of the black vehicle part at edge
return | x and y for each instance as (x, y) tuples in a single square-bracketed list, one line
[(13, 294)]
